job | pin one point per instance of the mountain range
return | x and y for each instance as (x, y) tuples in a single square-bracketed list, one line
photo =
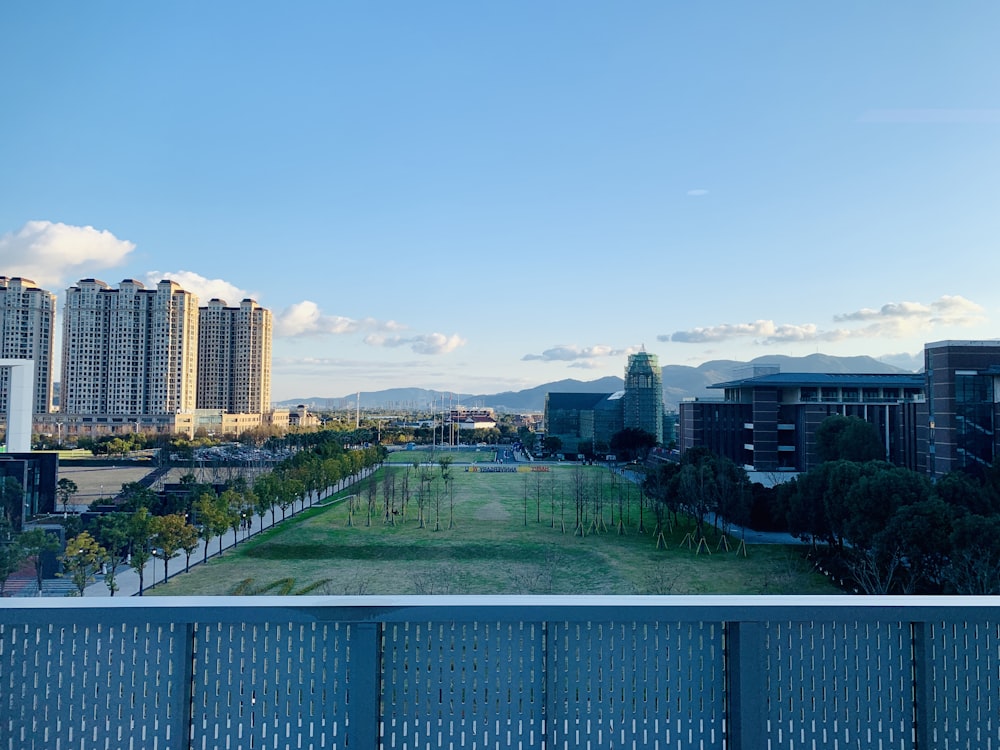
[(679, 382)]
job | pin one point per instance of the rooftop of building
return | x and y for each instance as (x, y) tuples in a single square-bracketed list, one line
[(995, 343), (817, 379), (575, 400)]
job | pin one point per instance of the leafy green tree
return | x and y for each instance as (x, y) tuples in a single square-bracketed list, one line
[(289, 490), (632, 443), (82, 559), (840, 438), (331, 473), (135, 495), (660, 486), (817, 501), (38, 545), (188, 542), (974, 559), (552, 444), (65, 489), (11, 503), (12, 556), (527, 438), (264, 497), (960, 490), (235, 511), (111, 530), (838, 479), (920, 533), (213, 515), (168, 531), (118, 447), (140, 533), (876, 495), (708, 484)]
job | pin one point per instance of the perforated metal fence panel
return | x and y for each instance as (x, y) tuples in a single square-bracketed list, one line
[(621, 673), (836, 685), (91, 686), (962, 684), (270, 685), (636, 685), (463, 685)]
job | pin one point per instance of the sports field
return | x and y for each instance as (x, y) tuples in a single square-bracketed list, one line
[(492, 529)]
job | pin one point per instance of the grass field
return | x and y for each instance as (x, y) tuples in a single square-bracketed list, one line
[(493, 543)]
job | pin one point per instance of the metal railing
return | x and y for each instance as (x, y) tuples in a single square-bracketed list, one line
[(500, 672)]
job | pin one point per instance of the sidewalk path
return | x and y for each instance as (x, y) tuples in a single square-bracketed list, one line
[(128, 579)]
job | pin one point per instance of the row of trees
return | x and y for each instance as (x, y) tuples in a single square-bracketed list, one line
[(580, 502), (147, 524), (703, 486), (628, 444), (884, 529), (889, 530), (874, 527)]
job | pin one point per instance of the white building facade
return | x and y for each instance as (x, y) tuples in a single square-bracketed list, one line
[(234, 357), (129, 352), (27, 328)]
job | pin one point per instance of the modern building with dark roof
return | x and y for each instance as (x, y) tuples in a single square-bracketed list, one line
[(577, 418), (767, 421)]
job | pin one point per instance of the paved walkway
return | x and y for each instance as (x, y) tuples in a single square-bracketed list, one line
[(128, 579)]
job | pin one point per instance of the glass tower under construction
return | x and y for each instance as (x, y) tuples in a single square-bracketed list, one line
[(644, 394)]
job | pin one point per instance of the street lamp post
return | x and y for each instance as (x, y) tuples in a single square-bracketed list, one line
[(154, 552)]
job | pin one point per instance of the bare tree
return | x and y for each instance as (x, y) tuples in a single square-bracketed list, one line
[(371, 493)]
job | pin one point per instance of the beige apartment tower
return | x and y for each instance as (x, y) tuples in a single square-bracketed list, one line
[(129, 352), (27, 328), (234, 357)]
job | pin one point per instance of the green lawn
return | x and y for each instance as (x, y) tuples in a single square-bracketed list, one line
[(490, 548)]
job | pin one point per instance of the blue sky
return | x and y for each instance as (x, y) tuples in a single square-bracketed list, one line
[(485, 197)]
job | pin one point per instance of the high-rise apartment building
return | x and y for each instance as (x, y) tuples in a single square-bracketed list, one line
[(129, 352), (234, 357), (27, 326), (643, 402)]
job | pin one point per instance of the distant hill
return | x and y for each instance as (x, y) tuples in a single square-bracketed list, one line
[(679, 382)]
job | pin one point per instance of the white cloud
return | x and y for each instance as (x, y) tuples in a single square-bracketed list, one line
[(903, 318), (892, 320), (764, 331), (204, 289), (54, 254), (697, 192), (889, 310), (573, 353), (429, 344), (305, 319)]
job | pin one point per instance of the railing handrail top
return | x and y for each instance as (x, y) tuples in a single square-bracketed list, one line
[(716, 608)]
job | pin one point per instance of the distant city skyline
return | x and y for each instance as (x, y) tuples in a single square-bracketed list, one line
[(486, 200)]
